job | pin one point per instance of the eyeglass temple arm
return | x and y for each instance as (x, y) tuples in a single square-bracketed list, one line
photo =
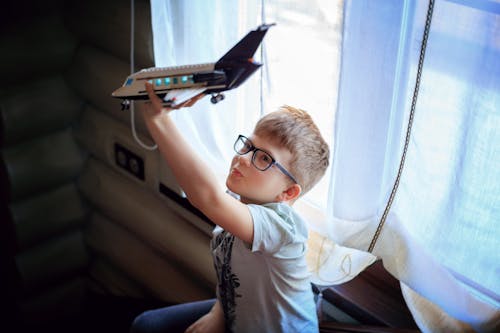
[(282, 169)]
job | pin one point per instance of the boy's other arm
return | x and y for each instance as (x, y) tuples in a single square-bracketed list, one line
[(193, 175), (212, 322)]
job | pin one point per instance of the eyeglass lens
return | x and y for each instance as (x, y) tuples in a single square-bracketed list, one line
[(260, 159), (242, 145)]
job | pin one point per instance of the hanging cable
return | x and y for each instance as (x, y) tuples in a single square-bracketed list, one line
[(423, 47), (262, 55), (132, 69)]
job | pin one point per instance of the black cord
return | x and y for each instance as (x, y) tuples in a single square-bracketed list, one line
[(262, 55), (410, 123)]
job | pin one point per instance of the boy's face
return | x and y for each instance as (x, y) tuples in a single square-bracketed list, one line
[(255, 186)]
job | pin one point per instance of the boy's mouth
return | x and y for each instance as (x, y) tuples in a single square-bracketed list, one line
[(236, 172)]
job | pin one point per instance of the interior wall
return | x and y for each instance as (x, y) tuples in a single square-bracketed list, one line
[(83, 205), (134, 228), (44, 258)]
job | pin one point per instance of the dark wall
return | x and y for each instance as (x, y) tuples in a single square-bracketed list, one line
[(72, 220), (44, 258)]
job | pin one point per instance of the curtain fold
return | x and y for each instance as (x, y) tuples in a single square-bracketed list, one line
[(444, 220)]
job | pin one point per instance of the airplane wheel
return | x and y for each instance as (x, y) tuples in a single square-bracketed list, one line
[(216, 98), (125, 104)]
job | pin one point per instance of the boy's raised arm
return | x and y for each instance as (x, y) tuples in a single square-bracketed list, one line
[(193, 175)]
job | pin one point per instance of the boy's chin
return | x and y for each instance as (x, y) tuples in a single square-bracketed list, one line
[(231, 188)]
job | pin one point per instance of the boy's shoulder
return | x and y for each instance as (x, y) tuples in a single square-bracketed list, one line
[(280, 214), (283, 210)]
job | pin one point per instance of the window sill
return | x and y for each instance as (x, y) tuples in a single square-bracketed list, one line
[(372, 298)]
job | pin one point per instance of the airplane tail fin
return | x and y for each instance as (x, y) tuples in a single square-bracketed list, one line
[(246, 47)]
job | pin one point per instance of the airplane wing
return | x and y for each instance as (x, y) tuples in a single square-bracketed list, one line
[(175, 97)]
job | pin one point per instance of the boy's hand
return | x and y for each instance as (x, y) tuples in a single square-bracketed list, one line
[(212, 322), (155, 107), (209, 323)]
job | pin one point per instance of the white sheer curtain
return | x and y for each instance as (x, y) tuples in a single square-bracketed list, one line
[(201, 31), (301, 68), (442, 236)]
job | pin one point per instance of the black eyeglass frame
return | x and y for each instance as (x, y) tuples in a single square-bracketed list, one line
[(254, 149)]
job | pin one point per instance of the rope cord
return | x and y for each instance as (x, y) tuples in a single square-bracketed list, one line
[(409, 126), (132, 69), (262, 55)]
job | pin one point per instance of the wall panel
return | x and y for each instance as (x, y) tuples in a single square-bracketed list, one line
[(147, 217), (35, 49), (107, 278), (106, 25), (51, 261), (42, 164), (94, 75), (48, 214), (149, 268), (37, 108), (40, 207), (62, 302)]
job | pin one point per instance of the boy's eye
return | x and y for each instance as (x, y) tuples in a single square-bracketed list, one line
[(263, 158)]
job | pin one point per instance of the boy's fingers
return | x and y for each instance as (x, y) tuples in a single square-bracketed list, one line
[(155, 100), (188, 103), (198, 97), (193, 100), (151, 92), (149, 88), (158, 104)]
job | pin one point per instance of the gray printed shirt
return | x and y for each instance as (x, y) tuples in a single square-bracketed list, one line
[(265, 286)]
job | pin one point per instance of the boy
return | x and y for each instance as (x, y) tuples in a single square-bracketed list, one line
[(259, 243)]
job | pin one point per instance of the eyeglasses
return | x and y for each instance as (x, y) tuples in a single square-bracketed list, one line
[(260, 159)]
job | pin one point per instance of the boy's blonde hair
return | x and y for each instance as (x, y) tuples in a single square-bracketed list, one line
[(295, 130)]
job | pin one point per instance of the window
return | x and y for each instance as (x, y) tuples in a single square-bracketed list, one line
[(302, 62)]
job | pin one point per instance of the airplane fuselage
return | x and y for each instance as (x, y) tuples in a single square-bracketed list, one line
[(169, 78)]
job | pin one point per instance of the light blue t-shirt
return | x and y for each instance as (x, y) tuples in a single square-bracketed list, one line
[(265, 286)]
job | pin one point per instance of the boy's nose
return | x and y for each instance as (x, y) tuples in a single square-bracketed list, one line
[(245, 159)]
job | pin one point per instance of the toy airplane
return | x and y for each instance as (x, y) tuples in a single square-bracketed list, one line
[(180, 83)]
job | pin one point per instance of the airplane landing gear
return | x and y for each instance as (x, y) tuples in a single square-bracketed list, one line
[(216, 98), (125, 104)]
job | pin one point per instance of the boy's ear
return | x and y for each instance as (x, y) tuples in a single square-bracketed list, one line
[(291, 193)]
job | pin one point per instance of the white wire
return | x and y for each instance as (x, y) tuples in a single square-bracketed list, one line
[(132, 69)]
